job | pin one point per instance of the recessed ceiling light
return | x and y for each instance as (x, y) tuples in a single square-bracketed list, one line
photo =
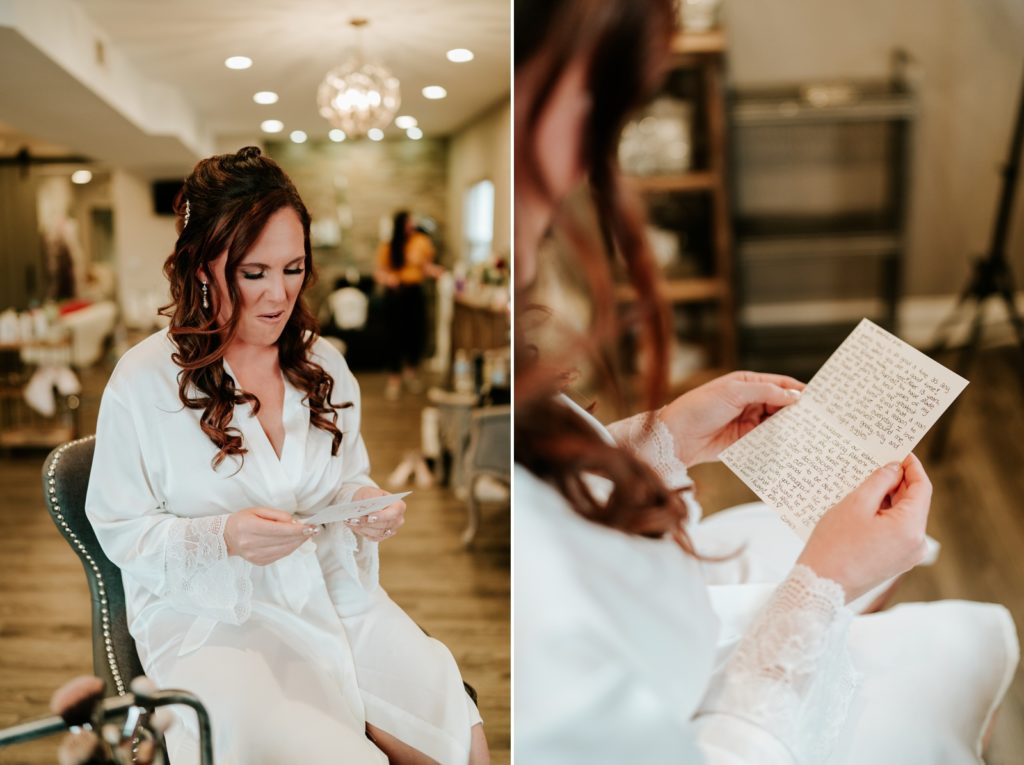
[(265, 97), (238, 62), (337, 135), (460, 55), (405, 121), (81, 176), (414, 133), (271, 126), (434, 92), (298, 136), (375, 134)]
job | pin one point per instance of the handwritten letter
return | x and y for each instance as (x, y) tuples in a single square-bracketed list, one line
[(870, 404)]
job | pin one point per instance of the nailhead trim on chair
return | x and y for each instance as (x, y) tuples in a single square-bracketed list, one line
[(100, 586)]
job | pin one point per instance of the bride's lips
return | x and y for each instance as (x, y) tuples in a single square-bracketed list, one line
[(272, 317)]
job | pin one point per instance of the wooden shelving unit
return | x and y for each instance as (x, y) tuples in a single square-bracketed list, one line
[(842, 255), (702, 58), (691, 290)]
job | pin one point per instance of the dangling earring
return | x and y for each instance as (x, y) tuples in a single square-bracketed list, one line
[(206, 296)]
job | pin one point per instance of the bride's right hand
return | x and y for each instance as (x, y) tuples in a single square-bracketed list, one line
[(876, 533), (262, 535)]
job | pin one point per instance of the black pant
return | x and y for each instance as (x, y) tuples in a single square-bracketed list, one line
[(405, 315)]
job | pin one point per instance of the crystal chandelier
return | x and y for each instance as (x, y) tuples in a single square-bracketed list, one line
[(359, 95)]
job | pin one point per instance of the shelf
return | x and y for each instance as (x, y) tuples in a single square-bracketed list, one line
[(33, 344), (845, 224), (856, 245), (693, 290), (869, 102), (795, 349), (798, 321), (693, 181), (691, 43), (36, 438)]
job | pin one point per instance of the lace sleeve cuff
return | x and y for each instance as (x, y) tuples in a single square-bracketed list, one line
[(791, 673), (201, 577), (649, 439)]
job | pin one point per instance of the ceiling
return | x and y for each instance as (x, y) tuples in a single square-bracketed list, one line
[(142, 85), (293, 44)]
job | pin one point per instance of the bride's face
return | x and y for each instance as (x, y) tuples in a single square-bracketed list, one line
[(269, 279)]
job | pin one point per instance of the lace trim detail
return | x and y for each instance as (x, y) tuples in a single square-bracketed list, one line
[(201, 577), (791, 673), (650, 439)]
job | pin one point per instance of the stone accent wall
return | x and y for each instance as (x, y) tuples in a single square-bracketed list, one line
[(360, 184)]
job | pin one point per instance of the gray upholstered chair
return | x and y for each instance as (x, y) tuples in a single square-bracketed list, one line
[(489, 454), (65, 480), (114, 658)]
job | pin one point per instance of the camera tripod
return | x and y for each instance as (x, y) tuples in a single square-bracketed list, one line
[(990, 277)]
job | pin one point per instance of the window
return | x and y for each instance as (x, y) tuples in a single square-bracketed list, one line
[(478, 221)]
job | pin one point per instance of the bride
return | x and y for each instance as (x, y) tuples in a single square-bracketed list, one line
[(214, 438), (642, 634)]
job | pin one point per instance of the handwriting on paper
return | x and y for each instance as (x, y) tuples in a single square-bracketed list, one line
[(870, 404)]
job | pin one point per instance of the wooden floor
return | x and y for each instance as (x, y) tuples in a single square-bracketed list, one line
[(460, 597), (977, 515)]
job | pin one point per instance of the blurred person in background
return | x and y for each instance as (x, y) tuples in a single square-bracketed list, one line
[(403, 264), (641, 633)]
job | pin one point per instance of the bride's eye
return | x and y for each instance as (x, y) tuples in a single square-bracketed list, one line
[(252, 274), (293, 271)]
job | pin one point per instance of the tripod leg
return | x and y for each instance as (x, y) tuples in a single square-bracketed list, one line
[(944, 332), (1006, 292), (963, 365)]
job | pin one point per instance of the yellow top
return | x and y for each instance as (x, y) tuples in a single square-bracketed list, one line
[(419, 251)]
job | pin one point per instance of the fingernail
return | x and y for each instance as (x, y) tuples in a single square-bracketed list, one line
[(308, 531), (373, 519), (317, 530), (352, 521), (793, 393), (894, 467)]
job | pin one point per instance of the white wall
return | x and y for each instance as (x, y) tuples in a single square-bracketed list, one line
[(483, 149), (142, 242), (968, 64)]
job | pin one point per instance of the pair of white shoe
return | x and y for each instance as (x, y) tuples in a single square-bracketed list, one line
[(412, 465), (393, 389), (38, 392)]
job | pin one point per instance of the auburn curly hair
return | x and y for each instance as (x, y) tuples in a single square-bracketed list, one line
[(626, 46), (229, 198)]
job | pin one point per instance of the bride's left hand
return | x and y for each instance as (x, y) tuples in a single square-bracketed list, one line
[(382, 524), (706, 420)]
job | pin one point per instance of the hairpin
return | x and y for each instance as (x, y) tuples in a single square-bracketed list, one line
[(188, 211)]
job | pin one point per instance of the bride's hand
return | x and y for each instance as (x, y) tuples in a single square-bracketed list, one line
[(706, 420), (876, 532), (382, 524), (262, 535)]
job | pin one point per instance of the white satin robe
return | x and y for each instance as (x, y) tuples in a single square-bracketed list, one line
[(629, 651), (292, 659)]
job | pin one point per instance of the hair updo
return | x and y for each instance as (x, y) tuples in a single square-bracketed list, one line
[(229, 199)]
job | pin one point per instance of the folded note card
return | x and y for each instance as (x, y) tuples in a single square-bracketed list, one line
[(870, 404), (356, 509)]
